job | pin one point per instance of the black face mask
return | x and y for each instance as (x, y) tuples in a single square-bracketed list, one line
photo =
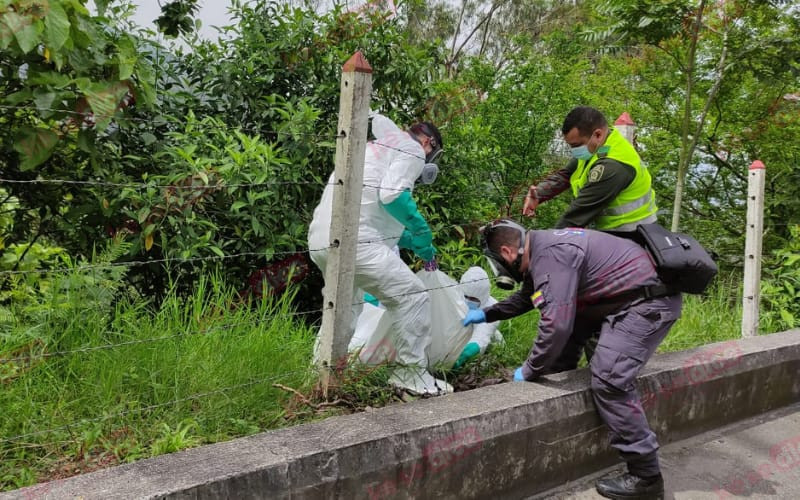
[(506, 275), (435, 153), (429, 173)]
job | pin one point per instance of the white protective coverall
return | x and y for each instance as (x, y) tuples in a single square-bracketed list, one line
[(475, 283), (391, 165)]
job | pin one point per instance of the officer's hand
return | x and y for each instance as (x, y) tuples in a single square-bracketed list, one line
[(474, 316), (431, 265), (531, 202), (518, 377), (470, 351)]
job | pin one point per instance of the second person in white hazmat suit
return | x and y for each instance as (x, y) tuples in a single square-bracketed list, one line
[(394, 162), (475, 286)]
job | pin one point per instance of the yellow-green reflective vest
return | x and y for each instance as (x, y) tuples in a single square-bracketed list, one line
[(636, 202)]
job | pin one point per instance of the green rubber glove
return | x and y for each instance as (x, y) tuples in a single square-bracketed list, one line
[(371, 299), (470, 351), (425, 253), (418, 236), (405, 240)]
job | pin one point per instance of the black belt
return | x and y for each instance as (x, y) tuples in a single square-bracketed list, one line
[(645, 292)]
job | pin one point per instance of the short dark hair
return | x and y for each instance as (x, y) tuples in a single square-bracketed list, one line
[(585, 118), (428, 129), (497, 236)]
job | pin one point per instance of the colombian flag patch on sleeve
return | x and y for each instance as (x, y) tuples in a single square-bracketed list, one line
[(537, 299)]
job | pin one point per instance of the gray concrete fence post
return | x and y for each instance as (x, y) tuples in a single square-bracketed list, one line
[(351, 144), (752, 249)]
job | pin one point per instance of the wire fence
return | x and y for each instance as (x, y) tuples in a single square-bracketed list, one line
[(32, 357)]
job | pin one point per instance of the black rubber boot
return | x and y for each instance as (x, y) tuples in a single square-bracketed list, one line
[(627, 486)]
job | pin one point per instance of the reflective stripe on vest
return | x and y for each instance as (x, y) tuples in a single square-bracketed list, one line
[(647, 199), (634, 204)]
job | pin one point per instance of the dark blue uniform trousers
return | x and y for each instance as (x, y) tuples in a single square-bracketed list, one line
[(628, 338)]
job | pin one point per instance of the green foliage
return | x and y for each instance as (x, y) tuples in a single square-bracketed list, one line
[(176, 17), (223, 150), (780, 288), (172, 440), (184, 372), (229, 193), (455, 256), (68, 72), (250, 110)]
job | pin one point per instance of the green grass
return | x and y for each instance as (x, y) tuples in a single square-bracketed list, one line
[(209, 377)]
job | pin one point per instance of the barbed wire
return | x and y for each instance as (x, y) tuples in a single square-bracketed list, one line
[(186, 334), (215, 257), (197, 125), (145, 185), (148, 340), (426, 290), (159, 405)]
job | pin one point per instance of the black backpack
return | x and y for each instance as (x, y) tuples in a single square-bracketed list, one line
[(682, 263)]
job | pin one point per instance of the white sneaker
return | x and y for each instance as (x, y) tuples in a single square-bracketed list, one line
[(418, 380)]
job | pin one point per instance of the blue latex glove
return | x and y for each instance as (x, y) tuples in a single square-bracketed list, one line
[(470, 351), (431, 265), (371, 299), (474, 316), (518, 375)]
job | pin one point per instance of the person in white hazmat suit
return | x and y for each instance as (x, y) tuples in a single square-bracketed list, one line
[(373, 337), (475, 286), (394, 162)]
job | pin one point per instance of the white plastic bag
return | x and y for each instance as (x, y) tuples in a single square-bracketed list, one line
[(375, 338), (372, 337), (448, 308)]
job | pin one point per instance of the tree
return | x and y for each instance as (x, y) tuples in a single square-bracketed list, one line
[(715, 35)]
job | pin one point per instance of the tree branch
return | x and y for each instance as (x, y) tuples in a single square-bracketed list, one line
[(488, 16)]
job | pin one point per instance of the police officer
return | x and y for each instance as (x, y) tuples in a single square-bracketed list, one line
[(583, 282), (612, 188)]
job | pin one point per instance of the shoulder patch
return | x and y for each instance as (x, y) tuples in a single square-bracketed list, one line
[(596, 172)]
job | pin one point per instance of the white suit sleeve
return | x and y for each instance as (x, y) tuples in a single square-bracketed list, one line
[(382, 126), (407, 161)]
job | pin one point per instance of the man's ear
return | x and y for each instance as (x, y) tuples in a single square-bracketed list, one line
[(507, 253)]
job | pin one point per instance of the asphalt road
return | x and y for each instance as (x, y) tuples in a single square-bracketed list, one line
[(754, 459)]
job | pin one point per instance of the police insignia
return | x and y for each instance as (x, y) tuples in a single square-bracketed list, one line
[(596, 173), (537, 299)]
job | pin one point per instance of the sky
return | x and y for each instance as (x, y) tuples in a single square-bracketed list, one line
[(212, 13)]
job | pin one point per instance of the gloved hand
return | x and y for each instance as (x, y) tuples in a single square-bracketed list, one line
[(425, 253), (371, 299), (417, 236), (470, 351), (406, 240), (474, 316), (431, 265), (518, 377)]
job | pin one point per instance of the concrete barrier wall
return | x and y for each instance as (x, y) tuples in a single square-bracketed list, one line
[(505, 441)]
